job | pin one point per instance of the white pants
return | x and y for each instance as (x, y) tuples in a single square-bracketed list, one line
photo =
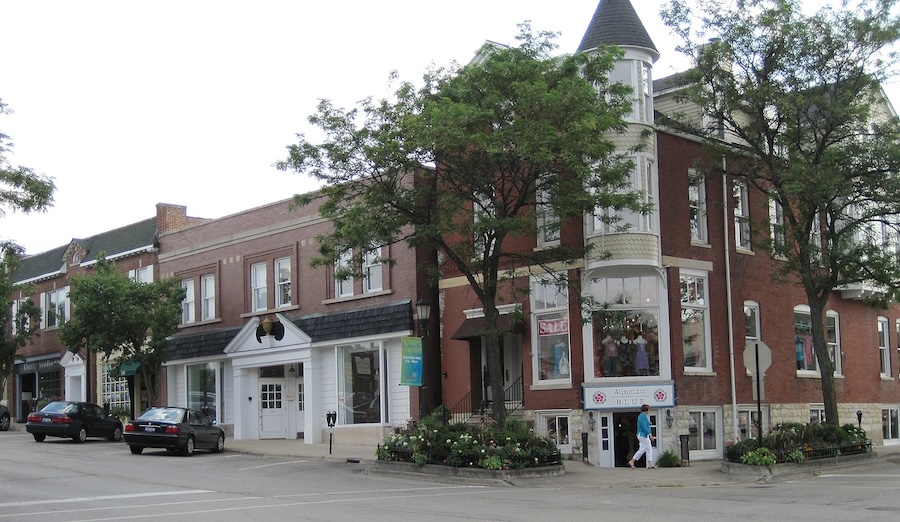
[(645, 447)]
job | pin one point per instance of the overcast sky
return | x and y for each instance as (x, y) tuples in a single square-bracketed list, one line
[(132, 103)]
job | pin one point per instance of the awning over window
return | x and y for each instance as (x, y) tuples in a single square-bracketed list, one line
[(128, 369), (475, 327)]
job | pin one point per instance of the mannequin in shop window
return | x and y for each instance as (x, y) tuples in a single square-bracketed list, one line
[(641, 356), (612, 356), (626, 355)]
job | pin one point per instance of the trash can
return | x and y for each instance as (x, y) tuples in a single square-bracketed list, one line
[(685, 450)]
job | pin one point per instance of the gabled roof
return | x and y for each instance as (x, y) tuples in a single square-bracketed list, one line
[(616, 23), (114, 243)]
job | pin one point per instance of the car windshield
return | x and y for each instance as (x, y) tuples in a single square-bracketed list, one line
[(162, 414), (60, 407)]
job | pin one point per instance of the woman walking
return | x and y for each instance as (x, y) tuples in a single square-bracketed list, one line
[(645, 438)]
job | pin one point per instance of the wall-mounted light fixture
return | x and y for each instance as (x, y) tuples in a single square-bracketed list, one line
[(859, 418), (292, 372), (268, 327), (669, 418), (592, 423)]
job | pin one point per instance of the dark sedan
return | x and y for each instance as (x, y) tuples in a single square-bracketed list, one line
[(75, 420), (4, 418), (175, 429)]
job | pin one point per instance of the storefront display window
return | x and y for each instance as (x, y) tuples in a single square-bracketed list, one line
[(201, 383), (626, 326), (550, 303), (360, 371)]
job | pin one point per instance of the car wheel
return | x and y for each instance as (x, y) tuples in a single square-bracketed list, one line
[(188, 448), (4, 422), (82, 435), (116, 435), (220, 444), (38, 437), (136, 449)]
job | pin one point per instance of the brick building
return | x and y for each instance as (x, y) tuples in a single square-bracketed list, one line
[(45, 369), (335, 345), (683, 294)]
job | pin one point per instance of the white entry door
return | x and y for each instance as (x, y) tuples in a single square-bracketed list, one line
[(272, 411)]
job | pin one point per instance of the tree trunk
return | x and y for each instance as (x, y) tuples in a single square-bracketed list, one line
[(495, 370), (823, 358)]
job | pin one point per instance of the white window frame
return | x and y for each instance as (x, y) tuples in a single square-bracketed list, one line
[(550, 305), (890, 424), (641, 176), (747, 417), (343, 287), (208, 297), (187, 305), (16, 306), (258, 287), (697, 203), (283, 279), (741, 198), (699, 445), (547, 219), (372, 276), (141, 275), (114, 390), (883, 350), (697, 304), (817, 414), (378, 371), (56, 307), (546, 419), (834, 345), (776, 226)]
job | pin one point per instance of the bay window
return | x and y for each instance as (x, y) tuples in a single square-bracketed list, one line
[(625, 326)]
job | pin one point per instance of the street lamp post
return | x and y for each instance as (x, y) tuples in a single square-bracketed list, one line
[(423, 314)]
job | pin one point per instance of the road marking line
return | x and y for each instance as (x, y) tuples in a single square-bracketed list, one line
[(105, 497), (269, 465)]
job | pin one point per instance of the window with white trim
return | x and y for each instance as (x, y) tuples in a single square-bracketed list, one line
[(890, 424), (703, 430), (804, 351), (625, 326), (372, 278), (208, 295), (776, 227), (833, 339), (695, 321), (817, 414), (556, 428), (187, 305), (550, 307), (343, 285), (610, 221), (114, 390), (697, 202), (548, 220), (56, 307), (141, 275), (741, 197), (258, 286), (16, 322), (748, 423), (361, 370), (751, 321), (884, 353), (282, 282)]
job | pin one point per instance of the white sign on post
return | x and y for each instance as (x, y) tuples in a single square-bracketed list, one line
[(756, 352)]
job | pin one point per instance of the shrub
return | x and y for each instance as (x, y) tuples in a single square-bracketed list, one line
[(668, 459), (759, 457)]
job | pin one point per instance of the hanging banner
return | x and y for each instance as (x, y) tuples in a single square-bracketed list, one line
[(411, 362)]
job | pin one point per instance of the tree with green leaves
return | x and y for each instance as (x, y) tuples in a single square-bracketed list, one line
[(802, 117), (515, 143), (20, 320), (20, 187), (124, 320)]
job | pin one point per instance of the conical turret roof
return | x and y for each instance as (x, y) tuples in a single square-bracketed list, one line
[(616, 23)]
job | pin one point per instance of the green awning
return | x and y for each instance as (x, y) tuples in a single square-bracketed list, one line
[(128, 369)]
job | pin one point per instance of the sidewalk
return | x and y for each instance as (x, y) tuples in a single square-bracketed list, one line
[(577, 473)]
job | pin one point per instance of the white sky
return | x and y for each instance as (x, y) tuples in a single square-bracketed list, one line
[(132, 103)]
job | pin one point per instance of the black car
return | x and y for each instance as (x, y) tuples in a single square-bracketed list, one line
[(175, 429), (75, 420), (4, 418)]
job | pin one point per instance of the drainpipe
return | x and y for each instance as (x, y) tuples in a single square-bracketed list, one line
[(730, 305)]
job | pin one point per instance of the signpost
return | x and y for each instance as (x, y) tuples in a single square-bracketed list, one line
[(757, 359)]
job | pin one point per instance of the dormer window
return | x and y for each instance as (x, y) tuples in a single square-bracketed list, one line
[(76, 258)]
